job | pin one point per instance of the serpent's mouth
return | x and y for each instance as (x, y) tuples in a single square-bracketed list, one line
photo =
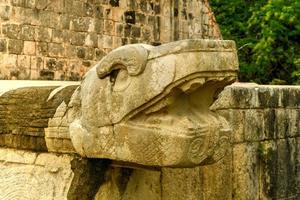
[(183, 111), (177, 113), (182, 121)]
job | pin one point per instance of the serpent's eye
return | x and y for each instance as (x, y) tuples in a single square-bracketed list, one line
[(120, 79)]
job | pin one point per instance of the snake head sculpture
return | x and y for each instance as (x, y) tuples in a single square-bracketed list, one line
[(151, 105)]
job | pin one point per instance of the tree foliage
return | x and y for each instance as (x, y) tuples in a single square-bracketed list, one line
[(267, 33)]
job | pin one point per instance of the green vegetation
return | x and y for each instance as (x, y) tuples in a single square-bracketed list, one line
[(267, 33)]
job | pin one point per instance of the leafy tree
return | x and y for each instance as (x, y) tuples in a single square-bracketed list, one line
[(267, 33)]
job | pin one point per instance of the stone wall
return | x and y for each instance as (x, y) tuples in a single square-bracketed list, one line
[(263, 162), (266, 140), (33, 176), (25, 111), (62, 39)]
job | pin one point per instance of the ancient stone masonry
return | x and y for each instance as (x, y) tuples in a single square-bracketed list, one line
[(25, 111), (266, 129), (62, 39), (50, 131), (41, 176), (33, 176), (148, 121)]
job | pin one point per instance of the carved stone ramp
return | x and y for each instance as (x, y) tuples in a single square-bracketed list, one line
[(26, 107)]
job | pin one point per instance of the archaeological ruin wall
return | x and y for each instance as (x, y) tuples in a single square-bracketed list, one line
[(262, 162), (247, 140), (62, 39)]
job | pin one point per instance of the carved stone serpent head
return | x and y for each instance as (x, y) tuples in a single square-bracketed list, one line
[(151, 105)]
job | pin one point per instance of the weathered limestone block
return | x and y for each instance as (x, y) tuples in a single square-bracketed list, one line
[(279, 163), (251, 95), (216, 179), (197, 183), (245, 172), (150, 105), (181, 184), (41, 176), (236, 119), (265, 122), (31, 176), (266, 170), (130, 184), (260, 112), (211, 182), (26, 107)]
